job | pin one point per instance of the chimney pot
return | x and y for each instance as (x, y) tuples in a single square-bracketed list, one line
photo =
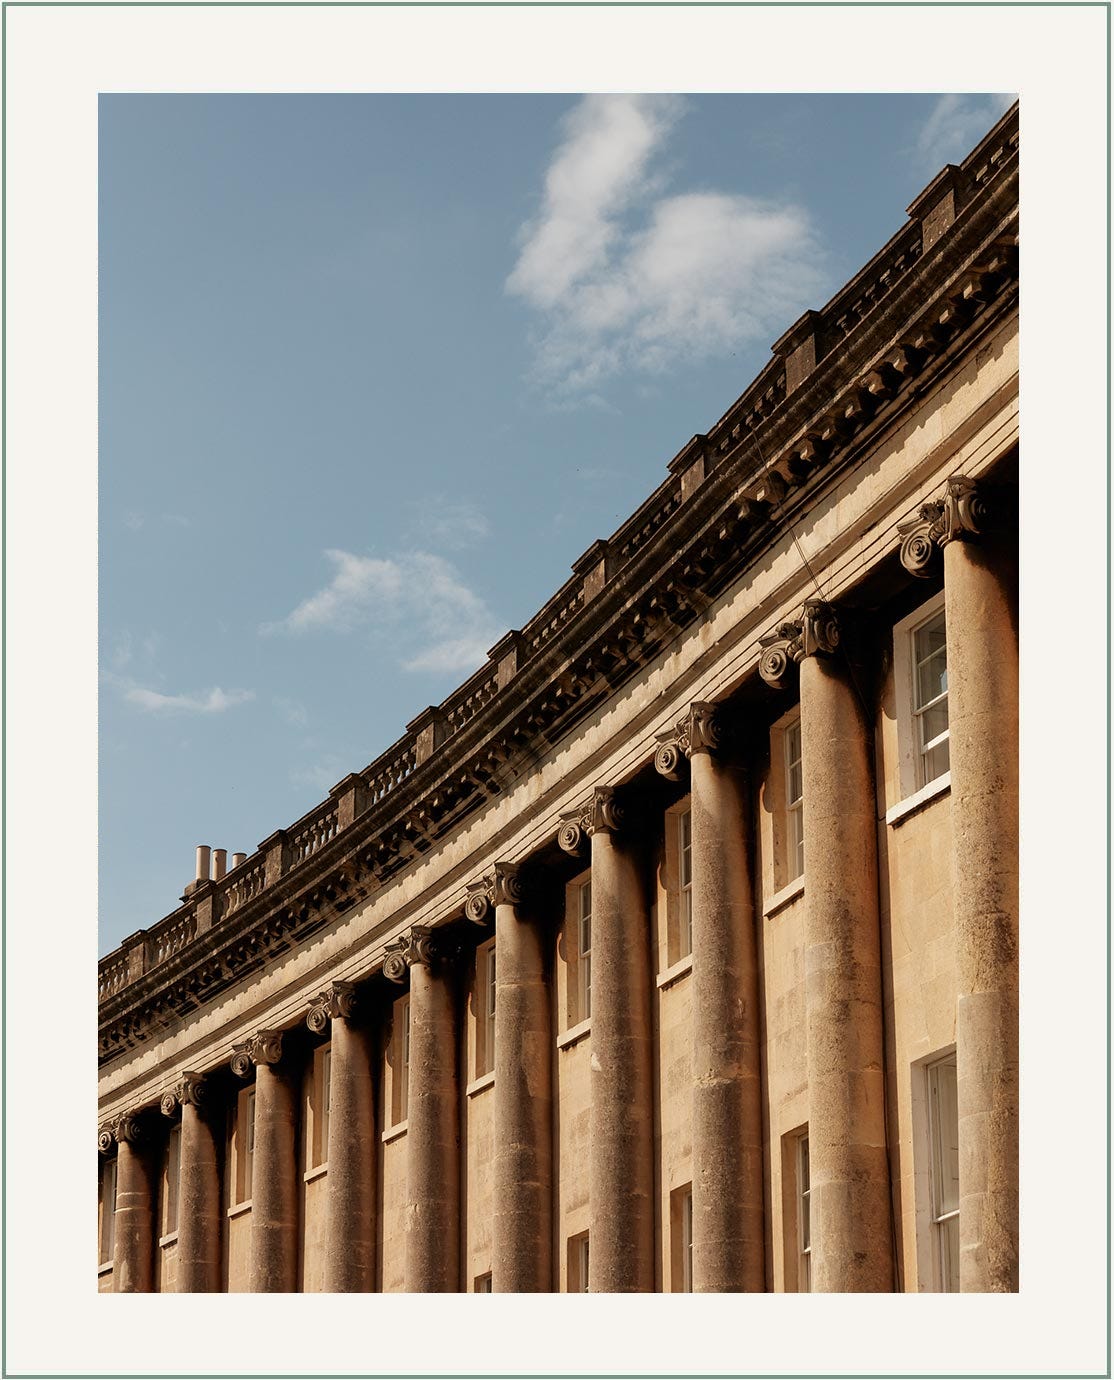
[(202, 874), (238, 858), (220, 863)]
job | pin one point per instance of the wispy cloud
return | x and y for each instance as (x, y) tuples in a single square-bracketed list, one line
[(627, 278), (292, 711), (321, 775), (214, 701), (956, 123), (435, 621), (449, 524)]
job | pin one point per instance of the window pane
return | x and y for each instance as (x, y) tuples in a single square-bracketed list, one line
[(936, 761), (934, 721), (949, 1262)]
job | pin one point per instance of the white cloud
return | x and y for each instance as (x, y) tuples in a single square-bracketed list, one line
[(214, 701), (452, 525), (956, 123), (293, 711), (625, 277), (133, 521), (435, 621)]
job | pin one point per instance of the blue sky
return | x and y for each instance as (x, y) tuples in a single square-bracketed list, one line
[(374, 370)]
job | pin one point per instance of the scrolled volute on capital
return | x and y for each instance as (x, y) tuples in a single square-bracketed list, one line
[(338, 1000), (128, 1128), (603, 813), (502, 886), (702, 729), (960, 515), (816, 632), (416, 945)]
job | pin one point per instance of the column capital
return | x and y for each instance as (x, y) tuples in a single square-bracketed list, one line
[(702, 729), (191, 1088), (601, 813), (415, 945), (336, 1000), (126, 1128), (959, 516), (264, 1047), (816, 632), (502, 886)]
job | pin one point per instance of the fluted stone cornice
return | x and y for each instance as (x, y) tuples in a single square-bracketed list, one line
[(416, 945), (815, 633), (702, 729), (959, 516), (502, 886), (602, 813), (337, 1000)]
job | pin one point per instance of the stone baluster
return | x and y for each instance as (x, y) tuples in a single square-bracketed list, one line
[(852, 1248), (274, 1198), (728, 1246), (350, 1183), (522, 1168), (199, 1217), (980, 614), (433, 1131), (621, 1118), (133, 1258)]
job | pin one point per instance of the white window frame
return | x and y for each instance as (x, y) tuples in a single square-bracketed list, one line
[(243, 1144), (803, 1189), (583, 920), (172, 1183), (106, 1246), (485, 1010), (579, 1263), (911, 752), (683, 828), (680, 1227), (793, 810), (317, 1147), (944, 1220), (400, 1062)]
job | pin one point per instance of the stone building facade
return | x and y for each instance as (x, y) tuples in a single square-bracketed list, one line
[(677, 949)]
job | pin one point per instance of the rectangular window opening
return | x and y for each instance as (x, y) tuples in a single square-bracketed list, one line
[(794, 804), (943, 1120), (930, 698)]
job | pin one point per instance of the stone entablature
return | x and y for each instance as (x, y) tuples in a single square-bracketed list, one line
[(901, 319)]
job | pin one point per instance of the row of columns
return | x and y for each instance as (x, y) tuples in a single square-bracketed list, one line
[(850, 1182)]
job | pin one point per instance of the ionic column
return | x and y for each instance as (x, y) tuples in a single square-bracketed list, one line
[(852, 1248), (521, 1222), (433, 1135), (728, 1244), (982, 722), (133, 1258), (351, 1152), (274, 1193), (199, 1218), (621, 1123)]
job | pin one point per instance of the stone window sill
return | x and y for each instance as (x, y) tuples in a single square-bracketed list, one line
[(105, 1269), (912, 803), (485, 1080), (574, 1034), (677, 970), (780, 899), (394, 1132), (238, 1209), (170, 1239), (317, 1172)]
